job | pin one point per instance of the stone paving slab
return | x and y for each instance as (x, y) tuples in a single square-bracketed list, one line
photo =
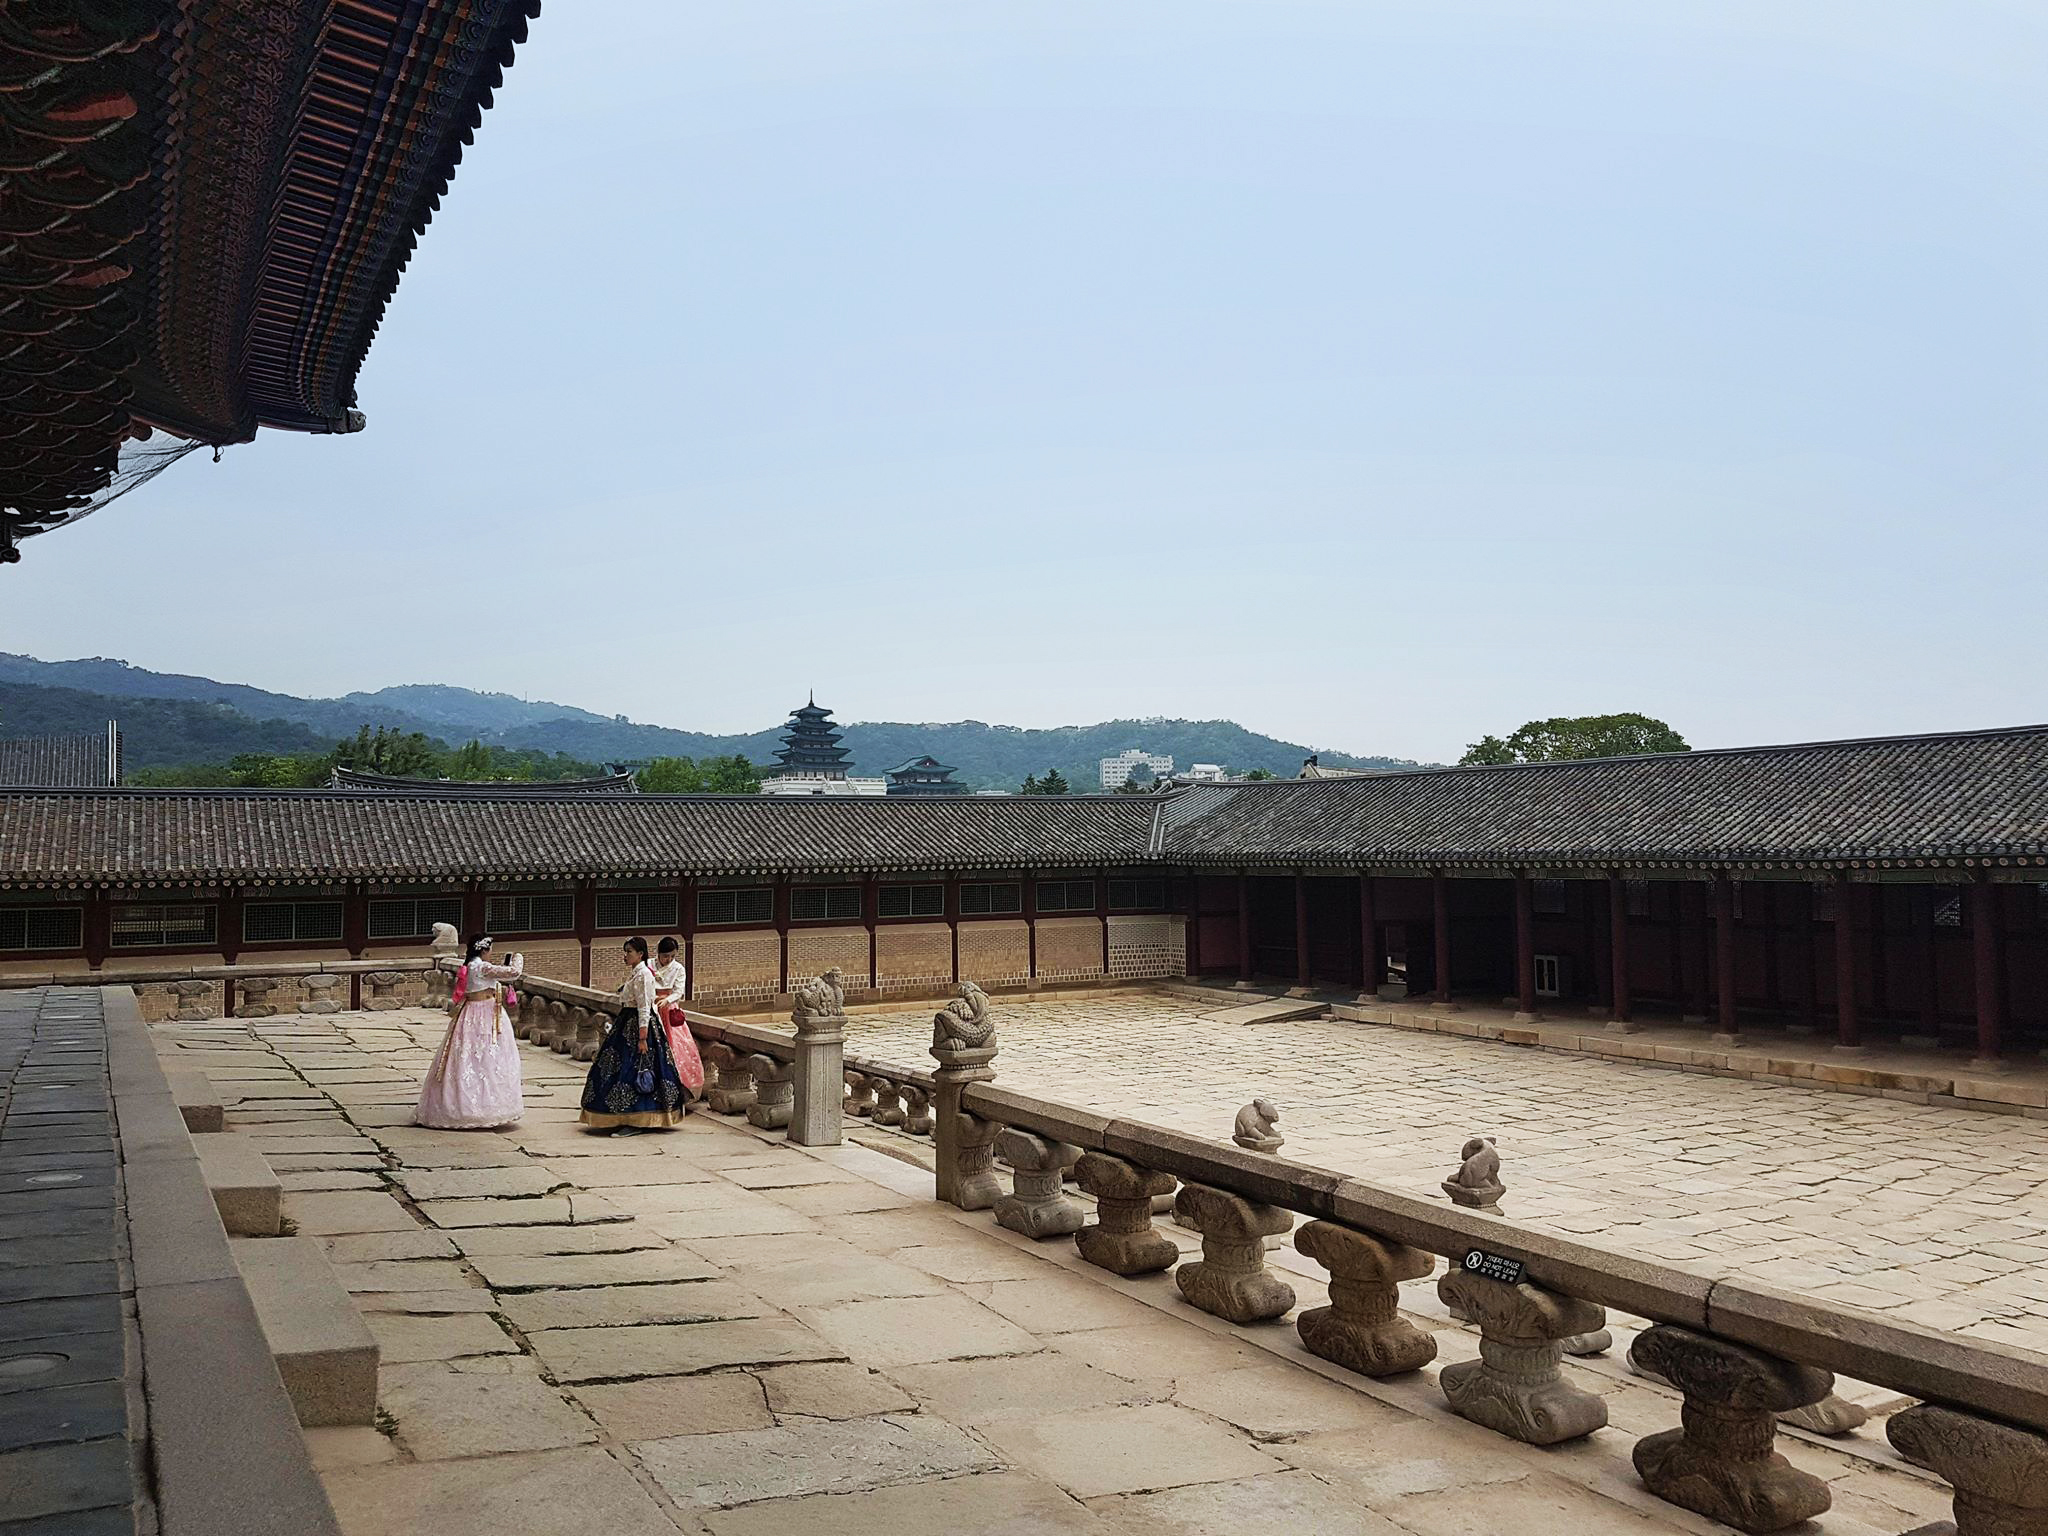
[(910, 1368)]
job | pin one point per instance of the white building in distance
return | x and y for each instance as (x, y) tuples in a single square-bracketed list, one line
[(1117, 771), (1205, 773)]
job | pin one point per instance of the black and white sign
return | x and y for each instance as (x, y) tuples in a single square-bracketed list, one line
[(1494, 1266)]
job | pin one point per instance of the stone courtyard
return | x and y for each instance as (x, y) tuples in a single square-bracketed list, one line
[(708, 1330), (1935, 1214)]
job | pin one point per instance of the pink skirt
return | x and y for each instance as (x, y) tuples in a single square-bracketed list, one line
[(473, 1084), (682, 1047)]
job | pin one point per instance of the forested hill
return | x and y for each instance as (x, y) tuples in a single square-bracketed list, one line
[(172, 719)]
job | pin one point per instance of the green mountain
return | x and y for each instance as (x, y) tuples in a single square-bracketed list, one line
[(174, 719)]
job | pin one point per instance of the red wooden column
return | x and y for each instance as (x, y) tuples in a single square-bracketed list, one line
[(98, 933), (1987, 944), (1692, 934), (586, 921), (871, 912), (1244, 927), (1848, 961), (473, 909), (687, 911), (355, 937), (953, 933), (781, 937), (1617, 945), (1192, 947), (1030, 925), (1440, 903), (1101, 884), (1724, 957), (1300, 929), (1809, 965), (1369, 938), (1525, 944)]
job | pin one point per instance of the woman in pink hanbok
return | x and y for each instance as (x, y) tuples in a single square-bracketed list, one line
[(473, 1084)]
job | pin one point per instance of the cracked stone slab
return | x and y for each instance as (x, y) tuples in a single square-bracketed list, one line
[(331, 1214), (718, 1471), (614, 1237), (549, 1210), (402, 1337), (568, 1492), (375, 1247), (568, 1271), (910, 1330), (663, 1406), (442, 1412), (468, 1183), (996, 1503), (403, 1275), (611, 1306), (833, 1391), (674, 1349), (1018, 1386)]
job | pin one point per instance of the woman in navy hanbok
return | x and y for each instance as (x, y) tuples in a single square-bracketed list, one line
[(633, 1084)]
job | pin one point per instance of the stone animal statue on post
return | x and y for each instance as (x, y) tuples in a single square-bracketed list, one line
[(1254, 1131), (1476, 1185), (819, 1003), (965, 1023)]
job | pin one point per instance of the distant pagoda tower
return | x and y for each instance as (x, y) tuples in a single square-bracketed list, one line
[(813, 761)]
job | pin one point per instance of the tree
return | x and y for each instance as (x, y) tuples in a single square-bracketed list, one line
[(730, 775), (1571, 737), (1258, 775), (390, 752), (1030, 785), (1054, 783), (471, 762)]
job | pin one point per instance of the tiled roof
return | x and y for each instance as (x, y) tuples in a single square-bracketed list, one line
[(1969, 795), (224, 835), (91, 761), (384, 783), (207, 205), (1910, 802)]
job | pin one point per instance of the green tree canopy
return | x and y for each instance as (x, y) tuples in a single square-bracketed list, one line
[(1054, 783), (1570, 737), (729, 775)]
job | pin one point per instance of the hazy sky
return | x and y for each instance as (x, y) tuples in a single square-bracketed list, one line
[(1375, 374)]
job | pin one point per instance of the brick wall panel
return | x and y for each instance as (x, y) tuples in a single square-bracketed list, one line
[(1069, 948), (812, 951), (738, 967), (1149, 947), (996, 954), (914, 957)]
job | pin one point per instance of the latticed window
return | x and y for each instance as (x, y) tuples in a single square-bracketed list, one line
[(291, 922), (413, 917), (751, 904), (637, 909), (42, 927), (546, 912), (824, 904), (1066, 895), (1948, 906), (912, 900), (1549, 898), (1137, 895), (165, 926), (991, 899)]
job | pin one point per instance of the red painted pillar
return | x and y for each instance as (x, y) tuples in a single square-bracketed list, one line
[(1192, 944), (1244, 927), (953, 932), (1987, 943), (1848, 961), (1617, 945), (1440, 903), (1030, 926), (688, 913), (1809, 964), (871, 911), (1525, 944), (781, 939), (98, 933), (1724, 955), (1369, 938), (1300, 929), (586, 921)]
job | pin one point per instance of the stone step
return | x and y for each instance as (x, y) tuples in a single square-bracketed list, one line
[(245, 1190), (196, 1097), (323, 1349)]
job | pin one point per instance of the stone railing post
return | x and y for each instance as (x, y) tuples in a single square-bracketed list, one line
[(1515, 1385), (1231, 1280), (1362, 1328), (558, 1025), (774, 1092), (1122, 1238), (733, 1090), (527, 1014), (195, 1000), (1722, 1464), (380, 991), (917, 1110), (819, 1018), (321, 988), (860, 1095), (1999, 1471), (1037, 1207), (964, 1046), (254, 999), (888, 1102), (590, 1028)]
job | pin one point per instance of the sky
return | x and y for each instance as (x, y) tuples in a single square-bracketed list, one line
[(1377, 375)]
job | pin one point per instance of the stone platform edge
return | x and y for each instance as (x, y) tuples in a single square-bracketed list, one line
[(225, 1449), (1954, 1090)]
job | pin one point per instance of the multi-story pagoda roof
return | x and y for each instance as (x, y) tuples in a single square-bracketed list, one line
[(924, 775), (810, 745), (204, 207)]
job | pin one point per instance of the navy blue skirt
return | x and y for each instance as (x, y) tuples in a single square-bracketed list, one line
[(631, 1086)]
